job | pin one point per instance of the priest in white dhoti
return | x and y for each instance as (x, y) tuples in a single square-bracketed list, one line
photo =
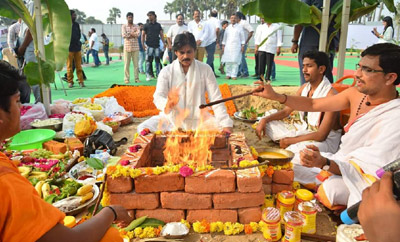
[(232, 47), (319, 128), (181, 89), (372, 137)]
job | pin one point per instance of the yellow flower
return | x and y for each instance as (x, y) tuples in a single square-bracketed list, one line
[(130, 234), (228, 228), (136, 135), (133, 173), (158, 170), (201, 227), (138, 231), (105, 200), (296, 185), (186, 223), (158, 132), (254, 226), (262, 225), (216, 227)]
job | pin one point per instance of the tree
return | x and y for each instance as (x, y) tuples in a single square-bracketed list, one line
[(114, 14), (80, 16), (92, 20)]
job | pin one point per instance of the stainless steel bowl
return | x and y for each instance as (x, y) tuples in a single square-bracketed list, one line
[(288, 155), (56, 127)]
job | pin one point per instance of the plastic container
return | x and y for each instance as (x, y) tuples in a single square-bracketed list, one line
[(272, 217), (293, 224), (302, 195), (285, 202), (31, 139), (309, 212)]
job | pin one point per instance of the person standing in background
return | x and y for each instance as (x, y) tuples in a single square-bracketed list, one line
[(94, 46), (106, 46), (173, 31), (151, 35), (214, 35), (248, 33), (201, 31), (74, 56), (130, 33), (388, 32), (12, 37), (257, 36), (142, 54), (221, 36)]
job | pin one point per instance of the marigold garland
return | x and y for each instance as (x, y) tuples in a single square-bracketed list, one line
[(139, 99)]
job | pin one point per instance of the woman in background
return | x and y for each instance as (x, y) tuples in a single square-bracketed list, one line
[(388, 31)]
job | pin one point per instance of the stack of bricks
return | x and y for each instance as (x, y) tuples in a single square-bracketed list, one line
[(281, 180), (217, 195)]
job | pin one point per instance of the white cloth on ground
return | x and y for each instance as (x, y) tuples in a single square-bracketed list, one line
[(192, 88), (371, 142)]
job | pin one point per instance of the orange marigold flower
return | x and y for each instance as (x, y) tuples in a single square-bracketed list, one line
[(270, 171), (149, 171), (248, 229)]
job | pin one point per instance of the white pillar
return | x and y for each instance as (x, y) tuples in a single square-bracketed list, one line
[(343, 38), (40, 40), (323, 36)]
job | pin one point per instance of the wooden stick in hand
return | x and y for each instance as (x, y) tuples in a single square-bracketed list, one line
[(225, 99)]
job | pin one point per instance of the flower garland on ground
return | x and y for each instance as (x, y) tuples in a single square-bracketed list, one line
[(147, 232), (228, 228), (139, 99)]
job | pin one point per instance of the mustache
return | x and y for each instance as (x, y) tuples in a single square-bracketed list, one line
[(187, 59)]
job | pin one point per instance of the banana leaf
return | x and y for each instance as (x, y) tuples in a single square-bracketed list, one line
[(61, 24), (15, 9), (33, 75), (390, 6), (285, 11)]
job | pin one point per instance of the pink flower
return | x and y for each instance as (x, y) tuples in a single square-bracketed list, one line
[(145, 132), (240, 159), (124, 162), (185, 171)]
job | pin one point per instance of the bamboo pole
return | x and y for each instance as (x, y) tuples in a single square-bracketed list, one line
[(324, 26), (343, 38), (45, 92)]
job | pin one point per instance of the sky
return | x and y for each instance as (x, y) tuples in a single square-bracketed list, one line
[(100, 8)]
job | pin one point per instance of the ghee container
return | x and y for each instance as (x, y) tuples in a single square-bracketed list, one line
[(285, 202), (309, 212), (293, 224), (272, 217), (302, 195)]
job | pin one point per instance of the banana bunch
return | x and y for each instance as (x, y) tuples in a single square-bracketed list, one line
[(40, 175), (43, 189), (85, 192), (24, 171)]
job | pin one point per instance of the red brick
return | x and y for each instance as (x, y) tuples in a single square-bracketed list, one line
[(212, 215), (277, 188), (166, 182), (182, 200), (247, 215), (212, 182), (136, 201), (165, 215), (267, 188), (249, 180), (120, 184), (266, 179), (283, 177), (238, 200)]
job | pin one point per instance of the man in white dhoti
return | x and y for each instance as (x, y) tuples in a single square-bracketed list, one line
[(317, 128), (181, 88), (232, 48), (372, 134)]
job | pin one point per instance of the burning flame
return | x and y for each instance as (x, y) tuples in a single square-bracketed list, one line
[(191, 147)]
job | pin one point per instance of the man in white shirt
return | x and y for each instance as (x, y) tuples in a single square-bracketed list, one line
[(248, 33), (267, 51), (201, 31), (256, 36), (12, 36), (181, 88), (216, 24), (94, 45), (232, 47), (173, 31)]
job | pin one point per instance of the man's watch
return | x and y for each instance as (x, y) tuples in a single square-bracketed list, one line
[(327, 165), (295, 41)]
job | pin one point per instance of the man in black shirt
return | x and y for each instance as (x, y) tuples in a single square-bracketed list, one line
[(74, 53), (151, 34)]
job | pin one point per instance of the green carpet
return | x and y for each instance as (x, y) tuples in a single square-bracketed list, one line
[(101, 78)]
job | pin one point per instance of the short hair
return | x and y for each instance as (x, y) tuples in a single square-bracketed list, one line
[(214, 13), (93, 30), (320, 58), (103, 35), (181, 40), (10, 78), (179, 14), (196, 10), (224, 22), (240, 15), (71, 11), (389, 57), (151, 13), (129, 14), (140, 24)]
